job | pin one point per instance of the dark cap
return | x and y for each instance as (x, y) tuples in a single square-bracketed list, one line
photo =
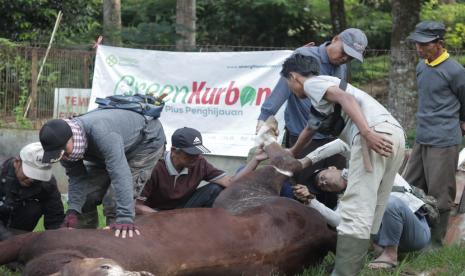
[(354, 42), (53, 136), (312, 184), (427, 31), (188, 140)]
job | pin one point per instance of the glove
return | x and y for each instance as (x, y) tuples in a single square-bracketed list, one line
[(71, 219), (124, 228)]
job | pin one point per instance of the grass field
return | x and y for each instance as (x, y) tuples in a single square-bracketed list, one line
[(447, 261)]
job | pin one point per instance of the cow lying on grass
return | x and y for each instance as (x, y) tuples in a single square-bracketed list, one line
[(257, 233)]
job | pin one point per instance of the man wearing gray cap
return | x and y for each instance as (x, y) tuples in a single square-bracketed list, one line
[(28, 190), (440, 121), (332, 56)]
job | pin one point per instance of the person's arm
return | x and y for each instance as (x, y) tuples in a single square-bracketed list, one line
[(52, 206), (332, 217), (111, 146), (273, 103), (303, 194), (142, 209), (304, 138), (349, 104), (258, 156), (332, 148)]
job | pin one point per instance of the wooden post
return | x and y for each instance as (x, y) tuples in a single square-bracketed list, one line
[(34, 83), (85, 71)]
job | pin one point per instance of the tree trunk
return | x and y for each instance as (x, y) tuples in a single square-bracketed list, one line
[(185, 24), (402, 100), (112, 22), (338, 16)]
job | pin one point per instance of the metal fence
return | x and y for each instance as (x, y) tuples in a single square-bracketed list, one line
[(73, 68)]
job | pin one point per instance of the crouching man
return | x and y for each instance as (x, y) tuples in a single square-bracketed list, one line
[(28, 190), (175, 179)]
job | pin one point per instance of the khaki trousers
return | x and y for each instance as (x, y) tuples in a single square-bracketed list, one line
[(363, 203)]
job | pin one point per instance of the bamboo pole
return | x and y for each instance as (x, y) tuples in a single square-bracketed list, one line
[(31, 97)]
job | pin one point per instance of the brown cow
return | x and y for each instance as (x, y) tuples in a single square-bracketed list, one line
[(269, 235)]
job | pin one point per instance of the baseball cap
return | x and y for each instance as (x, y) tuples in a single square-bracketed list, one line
[(53, 136), (427, 31), (188, 140), (31, 157), (312, 185), (354, 42)]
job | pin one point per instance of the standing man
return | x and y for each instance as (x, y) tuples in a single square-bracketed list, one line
[(376, 143), (332, 56), (102, 147), (28, 190), (440, 121), (175, 179)]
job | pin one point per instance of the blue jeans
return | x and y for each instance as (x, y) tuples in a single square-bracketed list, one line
[(403, 228)]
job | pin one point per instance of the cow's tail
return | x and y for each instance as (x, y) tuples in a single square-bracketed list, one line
[(10, 248)]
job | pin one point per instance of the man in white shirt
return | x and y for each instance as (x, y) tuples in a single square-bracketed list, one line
[(376, 143)]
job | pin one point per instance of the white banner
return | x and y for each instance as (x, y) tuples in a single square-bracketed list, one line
[(217, 93)]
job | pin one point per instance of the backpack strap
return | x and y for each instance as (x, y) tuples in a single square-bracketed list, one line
[(337, 107)]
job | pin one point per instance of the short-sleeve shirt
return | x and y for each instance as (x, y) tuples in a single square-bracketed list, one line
[(375, 113), (168, 189)]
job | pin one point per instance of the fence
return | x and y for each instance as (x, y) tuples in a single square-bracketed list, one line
[(73, 68)]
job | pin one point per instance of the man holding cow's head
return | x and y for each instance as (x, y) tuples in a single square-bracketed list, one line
[(175, 180), (102, 147)]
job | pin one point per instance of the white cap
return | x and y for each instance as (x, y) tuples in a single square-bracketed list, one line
[(31, 157)]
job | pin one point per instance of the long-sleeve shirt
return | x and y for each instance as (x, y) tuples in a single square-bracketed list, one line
[(441, 103), (333, 217), (297, 111), (113, 136)]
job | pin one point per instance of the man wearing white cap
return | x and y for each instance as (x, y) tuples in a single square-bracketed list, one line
[(28, 190)]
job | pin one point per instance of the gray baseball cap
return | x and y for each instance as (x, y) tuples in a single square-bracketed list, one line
[(427, 31), (354, 42)]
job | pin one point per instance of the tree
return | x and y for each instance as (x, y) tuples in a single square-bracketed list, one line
[(112, 22), (338, 16), (402, 77), (185, 24)]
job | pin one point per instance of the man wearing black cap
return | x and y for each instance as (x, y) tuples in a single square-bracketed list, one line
[(175, 179), (102, 147), (440, 121), (332, 56)]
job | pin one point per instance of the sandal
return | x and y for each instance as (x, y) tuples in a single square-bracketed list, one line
[(384, 265)]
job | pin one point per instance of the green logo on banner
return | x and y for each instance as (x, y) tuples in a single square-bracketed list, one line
[(112, 60), (247, 95)]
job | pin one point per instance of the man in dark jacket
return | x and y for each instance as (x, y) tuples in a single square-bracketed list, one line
[(27, 191)]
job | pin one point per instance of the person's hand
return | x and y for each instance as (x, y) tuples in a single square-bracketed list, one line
[(260, 155), (71, 219), (302, 193), (378, 143), (125, 229), (310, 44)]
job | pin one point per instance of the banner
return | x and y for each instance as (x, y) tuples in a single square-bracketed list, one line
[(70, 102), (217, 93)]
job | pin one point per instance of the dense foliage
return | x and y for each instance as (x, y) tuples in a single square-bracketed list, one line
[(272, 23)]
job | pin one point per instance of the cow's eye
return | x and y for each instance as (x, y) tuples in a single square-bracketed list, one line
[(105, 267)]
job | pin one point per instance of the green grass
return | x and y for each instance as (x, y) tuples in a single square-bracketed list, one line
[(446, 261)]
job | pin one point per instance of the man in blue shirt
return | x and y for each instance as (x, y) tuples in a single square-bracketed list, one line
[(332, 56)]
